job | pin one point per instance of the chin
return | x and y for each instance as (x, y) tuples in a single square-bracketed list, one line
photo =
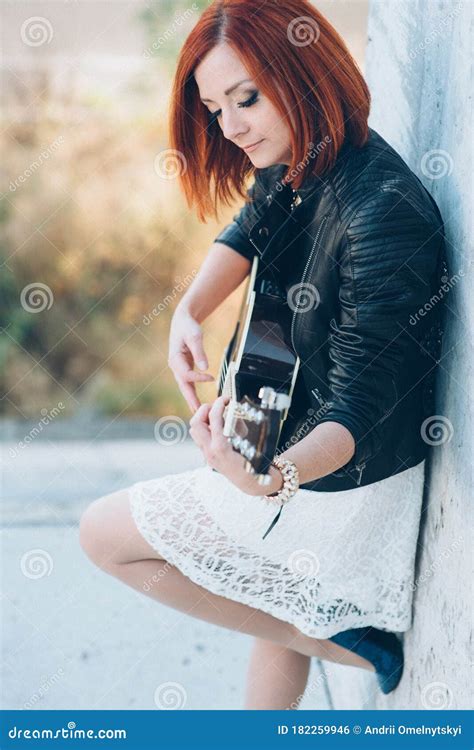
[(261, 161)]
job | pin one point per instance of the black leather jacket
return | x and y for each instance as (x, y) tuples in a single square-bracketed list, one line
[(364, 248)]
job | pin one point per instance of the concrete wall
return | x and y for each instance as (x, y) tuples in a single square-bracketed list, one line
[(419, 73)]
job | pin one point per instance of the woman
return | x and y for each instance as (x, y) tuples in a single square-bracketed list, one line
[(335, 214)]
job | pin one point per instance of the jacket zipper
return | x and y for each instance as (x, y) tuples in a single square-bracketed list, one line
[(317, 393), (303, 278), (360, 468)]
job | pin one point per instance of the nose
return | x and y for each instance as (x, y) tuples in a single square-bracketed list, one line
[(233, 126)]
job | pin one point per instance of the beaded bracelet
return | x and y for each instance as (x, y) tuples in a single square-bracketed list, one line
[(290, 474)]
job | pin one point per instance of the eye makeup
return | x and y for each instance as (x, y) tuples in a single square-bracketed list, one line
[(248, 103)]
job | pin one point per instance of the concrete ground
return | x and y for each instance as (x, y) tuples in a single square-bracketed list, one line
[(74, 637)]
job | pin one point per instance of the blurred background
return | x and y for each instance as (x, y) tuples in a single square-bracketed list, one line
[(97, 244)]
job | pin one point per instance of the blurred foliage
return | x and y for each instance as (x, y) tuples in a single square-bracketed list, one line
[(86, 214)]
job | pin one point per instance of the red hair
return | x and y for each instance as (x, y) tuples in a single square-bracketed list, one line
[(326, 92)]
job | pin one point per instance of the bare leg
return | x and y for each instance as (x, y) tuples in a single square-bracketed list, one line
[(110, 538), (277, 677), (165, 583)]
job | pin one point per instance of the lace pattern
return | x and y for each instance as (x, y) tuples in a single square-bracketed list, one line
[(334, 561)]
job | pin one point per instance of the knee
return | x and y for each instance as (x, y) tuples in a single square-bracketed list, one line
[(93, 536)]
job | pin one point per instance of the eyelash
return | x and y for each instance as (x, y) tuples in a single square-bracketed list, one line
[(248, 103)]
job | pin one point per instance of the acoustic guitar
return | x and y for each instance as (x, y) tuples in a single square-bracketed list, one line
[(258, 372)]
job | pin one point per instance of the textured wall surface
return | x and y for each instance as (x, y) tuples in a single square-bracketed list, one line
[(419, 73)]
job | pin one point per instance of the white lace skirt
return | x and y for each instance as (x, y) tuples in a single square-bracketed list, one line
[(334, 560)]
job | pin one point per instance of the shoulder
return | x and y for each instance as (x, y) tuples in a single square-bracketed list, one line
[(375, 179)]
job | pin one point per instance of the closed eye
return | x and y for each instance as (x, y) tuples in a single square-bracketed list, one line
[(213, 116)]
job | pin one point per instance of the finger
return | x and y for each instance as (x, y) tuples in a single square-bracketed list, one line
[(189, 393), (178, 363), (219, 404), (201, 435), (216, 419), (181, 369), (201, 415), (193, 376), (195, 344)]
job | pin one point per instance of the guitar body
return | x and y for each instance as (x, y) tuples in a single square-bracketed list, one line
[(258, 371)]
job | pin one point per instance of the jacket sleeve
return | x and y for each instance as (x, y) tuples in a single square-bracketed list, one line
[(388, 262), (236, 234)]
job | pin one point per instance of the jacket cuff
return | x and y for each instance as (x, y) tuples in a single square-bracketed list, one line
[(233, 236)]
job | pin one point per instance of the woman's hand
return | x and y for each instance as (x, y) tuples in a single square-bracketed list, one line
[(206, 430), (186, 349)]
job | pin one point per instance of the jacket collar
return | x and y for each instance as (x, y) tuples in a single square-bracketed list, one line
[(311, 183)]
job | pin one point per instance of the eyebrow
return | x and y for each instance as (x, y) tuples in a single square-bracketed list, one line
[(230, 90)]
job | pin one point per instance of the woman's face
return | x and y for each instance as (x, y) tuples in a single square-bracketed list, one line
[(244, 114)]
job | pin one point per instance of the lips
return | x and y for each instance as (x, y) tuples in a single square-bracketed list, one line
[(252, 145)]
